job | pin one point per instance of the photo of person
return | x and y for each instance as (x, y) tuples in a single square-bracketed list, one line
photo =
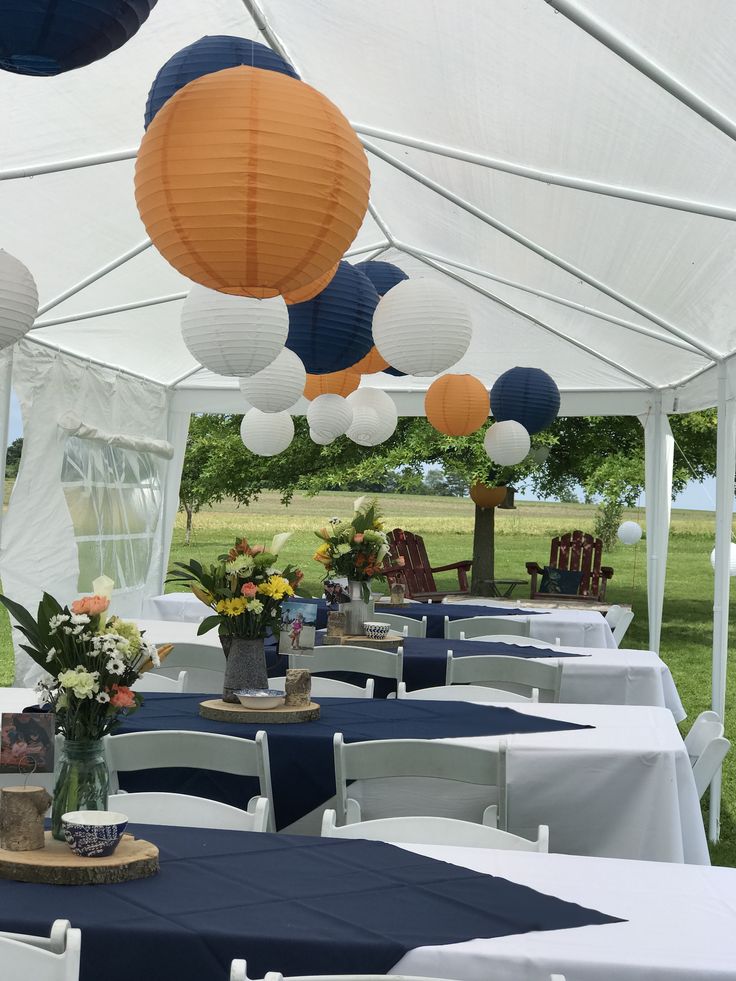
[(298, 622), (27, 742)]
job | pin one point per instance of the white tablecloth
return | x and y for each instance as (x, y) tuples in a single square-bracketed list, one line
[(175, 606), (624, 789), (681, 923), (577, 628)]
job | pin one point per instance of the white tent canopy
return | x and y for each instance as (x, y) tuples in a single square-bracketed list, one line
[(569, 171)]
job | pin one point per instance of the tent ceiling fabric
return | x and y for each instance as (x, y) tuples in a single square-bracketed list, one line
[(509, 80)]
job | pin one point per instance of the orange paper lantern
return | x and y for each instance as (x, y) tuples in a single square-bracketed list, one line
[(309, 292), (370, 364), (457, 405), (333, 383), (488, 497), (251, 182)]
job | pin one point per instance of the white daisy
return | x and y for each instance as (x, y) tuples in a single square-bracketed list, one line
[(115, 666), (103, 698)]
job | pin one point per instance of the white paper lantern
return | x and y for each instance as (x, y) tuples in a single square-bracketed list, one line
[(330, 416), (278, 386), (365, 429), (384, 407), (320, 439), (507, 443), (266, 433), (539, 454), (422, 327), (731, 559), (233, 335), (18, 299), (629, 532)]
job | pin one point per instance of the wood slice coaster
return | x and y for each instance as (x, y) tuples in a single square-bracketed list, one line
[(389, 642), (219, 711), (57, 865)]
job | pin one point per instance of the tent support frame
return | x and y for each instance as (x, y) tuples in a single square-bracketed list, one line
[(98, 274)]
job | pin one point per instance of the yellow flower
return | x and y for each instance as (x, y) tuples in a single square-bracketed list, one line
[(276, 587), (231, 607)]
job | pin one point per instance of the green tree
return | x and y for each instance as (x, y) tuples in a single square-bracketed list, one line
[(12, 457)]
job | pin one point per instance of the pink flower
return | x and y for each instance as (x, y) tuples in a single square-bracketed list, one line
[(358, 538), (257, 549), (249, 590), (123, 698), (91, 605)]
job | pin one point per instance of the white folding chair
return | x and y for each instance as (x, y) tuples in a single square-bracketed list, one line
[(421, 830), (239, 972), (358, 660), (516, 674), (466, 693), (184, 811), (407, 626), (152, 681), (53, 958), (203, 663), (383, 758), (707, 748), (619, 620), (471, 627), (330, 687), (198, 750)]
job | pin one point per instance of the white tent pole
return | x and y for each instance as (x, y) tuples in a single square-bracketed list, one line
[(725, 464), (562, 301), (6, 385), (381, 223), (57, 166), (637, 59), (367, 248), (538, 323), (185, 375), (375, 255), (93, 277), (549, 177), (107, 311), (658, 462), (539, 250)]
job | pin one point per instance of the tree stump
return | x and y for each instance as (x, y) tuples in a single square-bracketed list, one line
[(336, 624), (21, 818), (298, 687)]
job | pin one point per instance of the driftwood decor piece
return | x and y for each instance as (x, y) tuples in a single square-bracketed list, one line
[(56, 864), (336, 624), (218, 711), (21, 818), (298, 687)]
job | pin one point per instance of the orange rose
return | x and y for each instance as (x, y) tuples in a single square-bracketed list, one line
[(123, 698), (249, 590), (91, 605)]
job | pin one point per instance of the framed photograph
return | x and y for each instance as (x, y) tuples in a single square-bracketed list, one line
[(27, 742), (298, 625)]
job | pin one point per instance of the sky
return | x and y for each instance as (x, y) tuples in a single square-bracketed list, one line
[(696, 496)]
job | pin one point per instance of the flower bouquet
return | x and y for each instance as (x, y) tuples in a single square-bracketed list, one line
[(92, 661), (245, 589)]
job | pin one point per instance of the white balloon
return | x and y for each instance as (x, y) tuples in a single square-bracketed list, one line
[(422, 327), (329, 416), (731, 559), (384, 407), (18, 299), (233, 335), (266, 433), (365, 429), (320, 438), (629, 532), (278, 386), (507, 443)]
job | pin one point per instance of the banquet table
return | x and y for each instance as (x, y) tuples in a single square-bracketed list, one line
[(306, 906), (623, 788)]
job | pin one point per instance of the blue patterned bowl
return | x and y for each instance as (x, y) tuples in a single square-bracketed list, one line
[(93, 834), (260, 698)]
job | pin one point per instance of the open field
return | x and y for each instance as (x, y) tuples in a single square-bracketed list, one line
[(521, 535)]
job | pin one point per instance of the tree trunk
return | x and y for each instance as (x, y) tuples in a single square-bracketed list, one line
[(483, 551), (188, 532)]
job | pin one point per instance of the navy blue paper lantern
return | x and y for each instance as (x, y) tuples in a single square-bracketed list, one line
[(210, 54), (526, 395), (395, 372), (48, 37), (383, 275), (333, 331)]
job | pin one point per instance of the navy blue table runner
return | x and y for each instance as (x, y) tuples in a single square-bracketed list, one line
[(302, 762), (284, 903)]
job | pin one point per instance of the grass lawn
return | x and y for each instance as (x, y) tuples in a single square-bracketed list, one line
[(521, 535)]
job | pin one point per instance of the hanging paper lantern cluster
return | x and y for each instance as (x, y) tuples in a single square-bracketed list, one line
[(374, 416), (333, 383), (507, 443), (48, 37), (457, 405), (204, 57), (333, 331), (266, 433), (18, 300), (224, 192), (370, 364), (422, 327), (731, 559), (526, 395), (233, 335), (312, 289), (329, 416), (383, 275), (278, 386), (629, 532)]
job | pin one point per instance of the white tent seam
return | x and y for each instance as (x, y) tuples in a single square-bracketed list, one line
[(66, 352)]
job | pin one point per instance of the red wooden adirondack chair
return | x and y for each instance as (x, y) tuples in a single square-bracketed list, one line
[(576, 552), (416, 575)]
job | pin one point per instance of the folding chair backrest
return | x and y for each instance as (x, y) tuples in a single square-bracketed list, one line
[(623, 624), (407, 626), (706, 727), (382, 758), (21, 959), (153, 681), (204, 664), (184, 811), (239, 972), (331, 688), (466, 693), (513, 673), (706, 765), (479, 626), (359, 660)]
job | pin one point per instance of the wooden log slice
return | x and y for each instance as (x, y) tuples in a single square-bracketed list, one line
[(57, 865), (218, 711), (389, 643)]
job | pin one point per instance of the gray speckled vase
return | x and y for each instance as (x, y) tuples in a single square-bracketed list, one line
[(245, 665)]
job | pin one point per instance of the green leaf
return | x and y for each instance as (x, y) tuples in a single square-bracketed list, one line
[(23, 618), (209, 623)]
